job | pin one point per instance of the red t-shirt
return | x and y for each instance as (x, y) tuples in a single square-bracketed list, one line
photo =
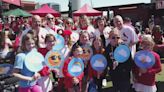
[(1, 27), (45, 71), (68, 79), (148, 78), (16, 43)]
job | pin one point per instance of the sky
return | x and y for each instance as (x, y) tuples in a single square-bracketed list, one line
[(95, 3)]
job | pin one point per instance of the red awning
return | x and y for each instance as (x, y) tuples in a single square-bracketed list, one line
[(44, 10), (15, 2), (87, 10)]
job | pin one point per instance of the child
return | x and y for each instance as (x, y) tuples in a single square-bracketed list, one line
[(65, 51), (119, 72), (97, 77), (45, 82), (84, 39), (27, 78), (145, 78), (73, 84)]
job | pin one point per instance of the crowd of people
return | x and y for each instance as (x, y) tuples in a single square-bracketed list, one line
[(23, 35)]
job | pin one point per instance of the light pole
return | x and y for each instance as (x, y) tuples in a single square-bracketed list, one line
[(70, 9), (1, 9)]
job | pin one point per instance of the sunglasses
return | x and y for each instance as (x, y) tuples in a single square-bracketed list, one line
[(115, 37), (68, 23), (50, 18), (55, 57)]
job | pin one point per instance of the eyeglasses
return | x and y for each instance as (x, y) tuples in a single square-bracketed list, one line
[(115, 37)]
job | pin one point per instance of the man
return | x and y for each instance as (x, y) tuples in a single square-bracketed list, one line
[(128, 34), (37, 30), (51, 27)]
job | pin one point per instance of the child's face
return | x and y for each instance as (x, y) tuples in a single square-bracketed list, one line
[(97, 43), (84, 38), (146, 45), (78, 52), (30, 45), (114, 39), (66, 38), (50, 43)]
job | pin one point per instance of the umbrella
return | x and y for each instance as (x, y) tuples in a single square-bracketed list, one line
[(17, 12), (44, 10), (87, 10)]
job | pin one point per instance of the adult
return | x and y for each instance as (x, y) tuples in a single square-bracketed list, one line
[(84, 25), (51, 27), (69, 25), (102, 30), (128, 22), (39, 32), (128, 34)]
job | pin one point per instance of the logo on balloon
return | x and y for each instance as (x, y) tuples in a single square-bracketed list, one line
[(53, 59), (122, 53), (34, 61), (75, 67), (144, 59), (98, 62)]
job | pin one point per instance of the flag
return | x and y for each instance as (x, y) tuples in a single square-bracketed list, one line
[(15, 2)]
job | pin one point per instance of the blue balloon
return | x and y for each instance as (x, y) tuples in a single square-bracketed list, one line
[(53, 59), (6, 69), (98, 62), (34, 61), (122, 53), (60, 42), (75, 67), (144, 59)]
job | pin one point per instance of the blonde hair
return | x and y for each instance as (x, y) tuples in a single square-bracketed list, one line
[(149, 39), (114, 31), (85, 18)]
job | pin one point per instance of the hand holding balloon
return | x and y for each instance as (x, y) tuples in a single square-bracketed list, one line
[(75, 80), (115, 64), (36, 76)]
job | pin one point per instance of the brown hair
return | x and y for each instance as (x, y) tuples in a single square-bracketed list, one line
[(49, 36), (156, 28), (102, 50), (26, 38), (2, 40)]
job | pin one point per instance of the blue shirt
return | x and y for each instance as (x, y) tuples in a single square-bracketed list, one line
[(20, 64)]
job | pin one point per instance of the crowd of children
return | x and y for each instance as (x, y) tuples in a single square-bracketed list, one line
[(102, 38)]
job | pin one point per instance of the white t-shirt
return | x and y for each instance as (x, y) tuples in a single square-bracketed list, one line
[(129, 36), (50, 31)]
